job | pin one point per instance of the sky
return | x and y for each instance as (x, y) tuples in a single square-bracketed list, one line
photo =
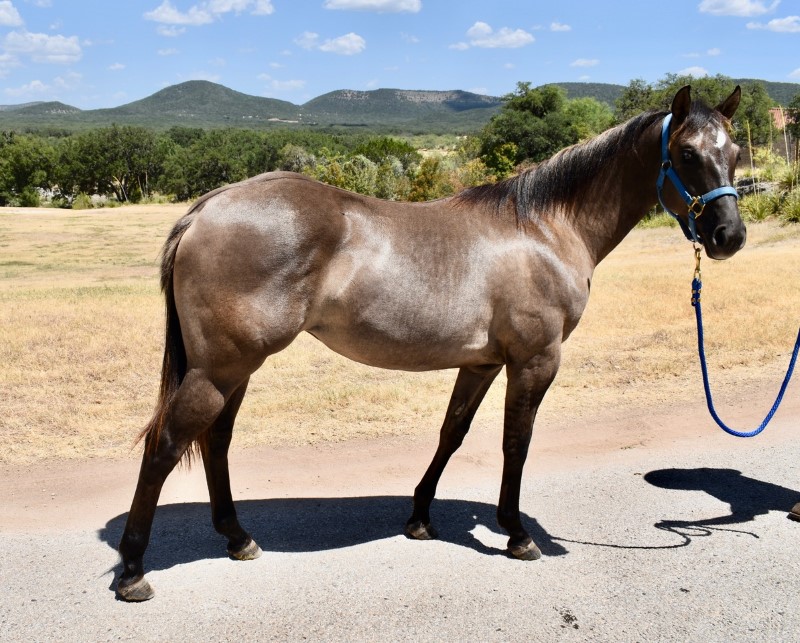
[(105, 53)]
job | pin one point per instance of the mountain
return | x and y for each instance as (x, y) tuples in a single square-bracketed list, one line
[(202, 103), (781, 93), (400, 106), (199, 103)]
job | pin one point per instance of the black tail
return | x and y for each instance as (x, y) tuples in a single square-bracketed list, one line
[(173, 367)]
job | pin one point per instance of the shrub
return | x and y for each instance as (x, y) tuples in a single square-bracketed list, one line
[(82, 202), (790, 208), (757, 207)]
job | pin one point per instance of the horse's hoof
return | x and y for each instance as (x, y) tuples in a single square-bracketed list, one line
[(526, 551), (794, 514), (420, 531), (135, 591), (250, 551)]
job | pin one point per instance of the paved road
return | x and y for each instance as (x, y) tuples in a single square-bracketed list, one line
[(687, 539)]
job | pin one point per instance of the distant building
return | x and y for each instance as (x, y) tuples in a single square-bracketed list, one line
[(778, 117)]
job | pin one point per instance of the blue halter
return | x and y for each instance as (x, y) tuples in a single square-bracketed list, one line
[(695, 204)]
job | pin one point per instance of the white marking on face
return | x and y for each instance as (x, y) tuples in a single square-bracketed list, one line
[(721, 138)]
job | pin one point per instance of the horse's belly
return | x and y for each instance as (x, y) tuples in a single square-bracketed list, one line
[(388, 342)]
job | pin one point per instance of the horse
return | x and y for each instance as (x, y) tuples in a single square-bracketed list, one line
[(496, 276)]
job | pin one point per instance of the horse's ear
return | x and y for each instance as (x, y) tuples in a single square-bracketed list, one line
[(681, 104), (728, 107)]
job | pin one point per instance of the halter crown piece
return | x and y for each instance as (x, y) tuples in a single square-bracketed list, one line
[(695, 204)]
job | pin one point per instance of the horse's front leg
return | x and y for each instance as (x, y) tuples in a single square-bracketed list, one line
[(527, 384), (470, 388)]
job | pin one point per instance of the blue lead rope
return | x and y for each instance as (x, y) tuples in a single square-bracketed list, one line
[(696, 287)]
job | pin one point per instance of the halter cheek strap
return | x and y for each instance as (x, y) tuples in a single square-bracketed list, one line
[(695, 204)]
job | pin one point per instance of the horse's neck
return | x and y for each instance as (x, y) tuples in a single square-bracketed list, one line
[(619, 197)]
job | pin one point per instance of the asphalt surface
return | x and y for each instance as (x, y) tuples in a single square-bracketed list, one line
[(686, 539)]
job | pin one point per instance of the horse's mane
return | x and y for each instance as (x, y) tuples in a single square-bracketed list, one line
[(559, 179)]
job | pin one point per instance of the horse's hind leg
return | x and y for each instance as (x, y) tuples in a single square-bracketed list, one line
[(470, 388), (214, 447), (196, 405)]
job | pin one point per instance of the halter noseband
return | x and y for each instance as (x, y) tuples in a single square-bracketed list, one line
[(695, 204)]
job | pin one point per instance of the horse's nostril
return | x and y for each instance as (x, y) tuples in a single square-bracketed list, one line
[(720, 236)]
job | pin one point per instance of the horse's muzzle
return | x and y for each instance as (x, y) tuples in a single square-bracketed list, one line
[(726, 240)]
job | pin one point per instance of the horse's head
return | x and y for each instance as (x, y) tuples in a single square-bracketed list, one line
[(699, 158)]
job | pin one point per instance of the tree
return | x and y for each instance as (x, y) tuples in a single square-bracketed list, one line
[(534, 120), (379, 149), (636, 98), (431, 181), (753, 109), (26, 166), (588, 117)]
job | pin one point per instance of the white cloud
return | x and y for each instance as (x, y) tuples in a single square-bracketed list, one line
[(696, 71), (557, 26), (585, 62), (68, 81), (34, 87), (282, 86), (7, 62), (9, 16), (715, 51), (37, 88), (307, 40), (43, 48), (409, 38), (381, 6), (482, 35), (741, 8), (263, 8), (795, 73), (167, 14), (167, 52), (204, 13), (789, 24), (170, 32), (347, 45), (116, 67)]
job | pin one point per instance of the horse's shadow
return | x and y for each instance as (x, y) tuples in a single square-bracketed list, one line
[(746, 497), (182, 533)]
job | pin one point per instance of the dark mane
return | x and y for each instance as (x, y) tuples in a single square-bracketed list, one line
[(558, 179)]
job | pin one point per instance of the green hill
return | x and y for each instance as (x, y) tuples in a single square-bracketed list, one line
[(205, 104)]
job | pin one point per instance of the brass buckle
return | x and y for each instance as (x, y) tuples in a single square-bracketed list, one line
[(693, 206)]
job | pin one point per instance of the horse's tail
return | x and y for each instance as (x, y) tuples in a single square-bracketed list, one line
[(173, 366)]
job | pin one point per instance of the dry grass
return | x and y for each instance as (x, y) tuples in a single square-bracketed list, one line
[(81, 340)]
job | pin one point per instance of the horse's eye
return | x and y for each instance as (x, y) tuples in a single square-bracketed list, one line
[(687, 155)]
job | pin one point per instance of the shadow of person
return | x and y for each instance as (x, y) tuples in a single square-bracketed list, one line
[(746, 497), (182, 533)]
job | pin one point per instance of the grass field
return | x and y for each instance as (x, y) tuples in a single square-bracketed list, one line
[(81, 340)]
